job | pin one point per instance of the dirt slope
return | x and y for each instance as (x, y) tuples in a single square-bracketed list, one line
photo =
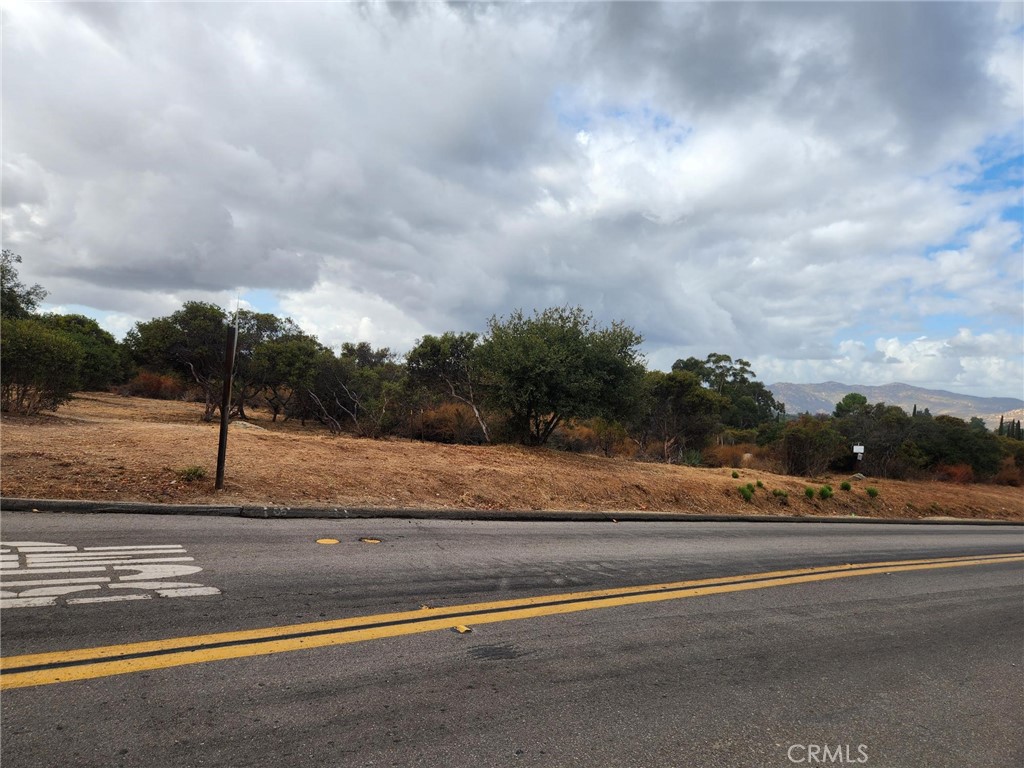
[(107, 447)]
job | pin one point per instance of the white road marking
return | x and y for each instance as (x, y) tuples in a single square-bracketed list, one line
[(171, 588), (157, 571), (63, 589), (103, 555), (116, 598), (132, 548), (109, 561), (20, 544), (34, 571), (41, 582), (188, 592), (149, 568), (27, 602)]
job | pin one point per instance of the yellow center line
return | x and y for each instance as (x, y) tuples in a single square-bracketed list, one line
[(86, 663)]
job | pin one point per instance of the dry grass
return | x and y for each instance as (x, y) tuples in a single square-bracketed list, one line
[(107, 447)]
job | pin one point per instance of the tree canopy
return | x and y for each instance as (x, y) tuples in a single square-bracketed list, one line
[(554, 373), (558, 364), (16, 298), (750, 402)]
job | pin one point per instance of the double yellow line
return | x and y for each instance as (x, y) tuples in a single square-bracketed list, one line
[(83, 664)]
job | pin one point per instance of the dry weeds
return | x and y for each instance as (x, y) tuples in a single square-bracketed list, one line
[(106, 447)]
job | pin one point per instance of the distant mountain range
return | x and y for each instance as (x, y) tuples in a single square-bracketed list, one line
[(822, 398)]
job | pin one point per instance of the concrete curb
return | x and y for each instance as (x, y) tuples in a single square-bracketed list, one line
[(362, 513)]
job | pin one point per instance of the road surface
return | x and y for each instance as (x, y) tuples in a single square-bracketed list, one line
[(230, 642)]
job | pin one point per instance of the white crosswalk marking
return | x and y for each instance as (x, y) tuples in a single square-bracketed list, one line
[(27, 569)]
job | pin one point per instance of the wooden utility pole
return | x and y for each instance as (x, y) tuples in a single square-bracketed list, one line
[(225, 401)]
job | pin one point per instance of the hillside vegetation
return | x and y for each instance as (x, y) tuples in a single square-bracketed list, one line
[(553, 378), (103, 446)]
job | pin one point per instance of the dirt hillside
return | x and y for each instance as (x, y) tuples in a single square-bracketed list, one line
[(107, 447)]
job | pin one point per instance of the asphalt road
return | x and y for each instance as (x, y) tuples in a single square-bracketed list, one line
[(885, 667)]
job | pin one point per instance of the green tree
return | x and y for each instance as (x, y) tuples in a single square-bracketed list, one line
[(850, 404), (104, 361), (254, 330), (750, 403), (977, 424), (39, 366), (885, 431), (362, 387), (810, 444), (16, 299), (678, 412), (287, 368), (448, 364), (190, 342), (558, 364), (951, 441)]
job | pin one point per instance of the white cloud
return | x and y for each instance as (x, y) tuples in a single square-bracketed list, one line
[(337, 313), (986, 364), (777, 182)]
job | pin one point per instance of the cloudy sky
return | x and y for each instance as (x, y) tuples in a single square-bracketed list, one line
[(832, 191)]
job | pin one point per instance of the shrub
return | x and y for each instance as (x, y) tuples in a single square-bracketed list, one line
[(611, 436), (872, 491), (778, 492), (760, 484), (825, 492), (691, 457), (449, 423), (746, 493), (1009, 473), (809, 492), (955, 473), (809, 445), (728, 455), (735, 474), (737, 436), (156, 386), (746, 456), (845, 486), (38, 366), (191, 473)]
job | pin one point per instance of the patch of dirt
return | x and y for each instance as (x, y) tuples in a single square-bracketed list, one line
[(102, 446)]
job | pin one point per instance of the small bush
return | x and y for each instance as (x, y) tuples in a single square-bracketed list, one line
[(1009, 473), (155, 386), (845, 486), (735, 474), (778, 492), (809, 492), (611, 436), (872, 491), (825, 492), (691, 458), (452, 423), (192, 473), (760, 484), (728, 455), (746, 493), (955, 473)]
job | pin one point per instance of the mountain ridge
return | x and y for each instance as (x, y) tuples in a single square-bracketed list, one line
[(822, 398)]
